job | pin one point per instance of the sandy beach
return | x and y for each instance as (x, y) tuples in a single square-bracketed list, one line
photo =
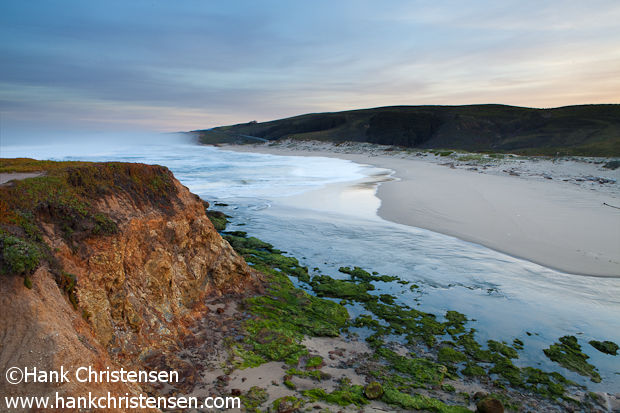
[(557, 214)]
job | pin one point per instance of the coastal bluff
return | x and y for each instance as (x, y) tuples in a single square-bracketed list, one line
[(105, 265)]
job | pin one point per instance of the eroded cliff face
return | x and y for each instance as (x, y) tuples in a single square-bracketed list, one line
[(139, 285), (139, 288)]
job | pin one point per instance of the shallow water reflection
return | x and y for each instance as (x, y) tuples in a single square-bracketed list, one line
[(508, 297)]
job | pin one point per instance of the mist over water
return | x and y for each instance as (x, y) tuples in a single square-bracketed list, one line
[(288, 201), (205, 170)]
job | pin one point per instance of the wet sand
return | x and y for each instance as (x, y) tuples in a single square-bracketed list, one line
[(546, 221)]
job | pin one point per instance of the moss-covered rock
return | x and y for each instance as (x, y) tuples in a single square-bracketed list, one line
[(373, 390), (317, 375), (502, 348), (568, 354), (450, 355), (284, 314), (359, 274), (345, 395), (326, 286), (254, 398), (287, 404), (218, 219), (422, 372), (259, 252), (314, 362), (472, 369), (608, 347), (418, 402)]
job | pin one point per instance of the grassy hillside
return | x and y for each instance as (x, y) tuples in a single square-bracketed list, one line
[(589, 130)]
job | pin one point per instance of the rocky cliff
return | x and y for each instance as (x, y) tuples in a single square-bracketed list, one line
[(105, 264)]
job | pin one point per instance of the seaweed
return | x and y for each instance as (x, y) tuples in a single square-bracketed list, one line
[(471, 369), (314, 362), (395, 397), (256, 251), (287, 404), (422, 372), (607, 347), (450, 355), (568, 354), (284, 314), (344, 395), (317, 375), (360, 274), (254, 398), (502, 348), (326, 286), (218, 219)]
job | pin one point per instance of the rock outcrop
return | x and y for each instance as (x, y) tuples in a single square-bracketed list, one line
[(126, 256)]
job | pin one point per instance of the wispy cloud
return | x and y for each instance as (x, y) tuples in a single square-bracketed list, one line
[(195, 64)]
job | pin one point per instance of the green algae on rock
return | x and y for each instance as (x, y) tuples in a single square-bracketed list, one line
[(254, 398), (517, 344), (217, 218), (607, 347), (287, 404), (419, 402), (358, 273), (278, 325), (373, 390), (568, 354), (314, 362), (317, 375), (472, 369), (284, 314), (449, 355), (502, 348), (345, 395), (326, 286), (259, 252)]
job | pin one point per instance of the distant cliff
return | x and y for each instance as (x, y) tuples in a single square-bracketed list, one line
[(589, 130), (105, 264)]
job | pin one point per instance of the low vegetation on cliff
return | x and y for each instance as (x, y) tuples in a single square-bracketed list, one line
[(65, 196)]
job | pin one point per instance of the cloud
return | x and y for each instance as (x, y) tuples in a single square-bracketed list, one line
[(195, 64)]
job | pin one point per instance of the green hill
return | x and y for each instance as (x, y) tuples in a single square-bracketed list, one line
[(588, 130)]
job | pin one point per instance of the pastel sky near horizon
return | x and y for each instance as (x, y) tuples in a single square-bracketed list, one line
[(182, 65)]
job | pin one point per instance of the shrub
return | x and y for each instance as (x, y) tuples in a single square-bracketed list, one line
[(18, 256)]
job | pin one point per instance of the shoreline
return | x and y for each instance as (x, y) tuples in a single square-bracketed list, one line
[(340, 367), (524, 214)]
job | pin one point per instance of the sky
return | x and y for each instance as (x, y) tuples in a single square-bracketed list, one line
[(183, 65)]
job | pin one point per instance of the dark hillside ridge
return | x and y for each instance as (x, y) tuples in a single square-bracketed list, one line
[(587, 130)]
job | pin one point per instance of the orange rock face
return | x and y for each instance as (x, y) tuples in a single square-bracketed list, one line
[(138, 291)]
